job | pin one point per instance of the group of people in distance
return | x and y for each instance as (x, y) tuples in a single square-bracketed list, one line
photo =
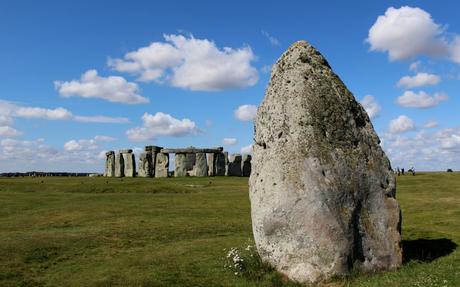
[(401, 171)]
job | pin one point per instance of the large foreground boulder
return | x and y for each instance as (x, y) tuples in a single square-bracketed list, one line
[(322, 190)]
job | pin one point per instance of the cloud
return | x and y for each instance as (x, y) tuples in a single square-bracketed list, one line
[(267, 69), (430, 124), (9, 110), (162, 124), (101, 119), (270, 38), (401, 124), (424, 150), (229, 141), (113, 89), (419, 80), (245, 112), (455, 50), (86, 144), (40, 113), (371, 106), (246, 149), (406, 33), (420, 100), (415, 66), (9, 132), (29, 155), (190, 63)]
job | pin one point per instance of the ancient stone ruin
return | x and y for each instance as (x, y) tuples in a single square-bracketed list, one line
[(191, 161), (321, 188)]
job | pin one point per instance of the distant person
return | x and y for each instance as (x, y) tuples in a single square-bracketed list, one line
[(398, 171), (402, 171), (413, 170)]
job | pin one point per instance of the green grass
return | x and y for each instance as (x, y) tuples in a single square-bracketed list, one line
[(173, 232)]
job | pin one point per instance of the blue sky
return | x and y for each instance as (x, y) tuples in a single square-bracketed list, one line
[(82, 77)]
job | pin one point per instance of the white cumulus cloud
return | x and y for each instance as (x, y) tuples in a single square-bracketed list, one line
[(190, 63), (9, 132), (371, 106), (420, 100), (407, 32), (113, 88), (229, 141), (161, 124), (419, 80), (245, 112), (424, 150), (9, 110), (401, 124), (86, 144)]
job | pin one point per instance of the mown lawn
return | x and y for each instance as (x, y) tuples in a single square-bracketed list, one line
[(177, 231)]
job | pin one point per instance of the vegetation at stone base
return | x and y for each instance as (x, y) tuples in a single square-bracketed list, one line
[(178, 232)]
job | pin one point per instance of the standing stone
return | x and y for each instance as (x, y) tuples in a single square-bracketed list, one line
[(119, 165), (201, 167), (234, 165), (162, 165), (246, 165), (110, 164), (226, 162), (322, 190), (145, 168), (129, 161), (154, 150), (180, 165), (220, 165), (211, 164), (190, 161)]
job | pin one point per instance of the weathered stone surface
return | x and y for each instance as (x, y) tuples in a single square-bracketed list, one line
[(191, 150), (190, 161), (234, 165), (129, 163), (211, 164), (119, 165), (162, 165), (246, 165), (220, 164), (145, 168), (226, 162), (201, 166), (153, 148), (322, 191), (110, 164), (180, 168)]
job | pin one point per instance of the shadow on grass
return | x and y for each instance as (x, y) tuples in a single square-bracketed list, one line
[(427, 250)]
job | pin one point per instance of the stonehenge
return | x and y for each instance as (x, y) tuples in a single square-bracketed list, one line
[(154, 162)]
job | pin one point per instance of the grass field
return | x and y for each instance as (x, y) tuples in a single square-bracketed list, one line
[(173, 232)]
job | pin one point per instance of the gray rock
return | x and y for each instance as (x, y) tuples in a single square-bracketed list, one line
[(110, 164), (226, 162), (322, 190), (145, 168), (180, 162), (162, 165), (211, 164), (234, 165), (220, 164), (246, 165), (130, 163), (119, 165), (190, 161), (201, 167)]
